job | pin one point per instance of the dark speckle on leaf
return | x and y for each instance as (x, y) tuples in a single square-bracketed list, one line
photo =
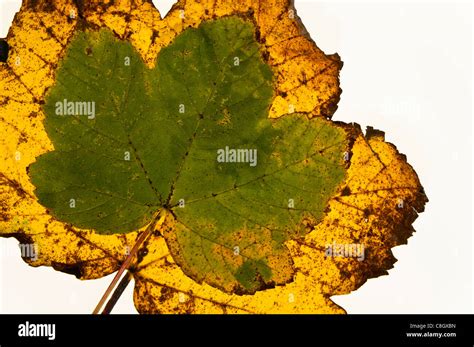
[(4, 48)]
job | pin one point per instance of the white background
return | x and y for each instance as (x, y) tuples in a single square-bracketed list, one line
[(407, 71)]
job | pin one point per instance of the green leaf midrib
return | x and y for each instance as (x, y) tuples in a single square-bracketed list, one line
[(120, 111), (202, 113)]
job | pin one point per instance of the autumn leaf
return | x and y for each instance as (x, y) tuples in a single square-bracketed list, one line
[(191, 136), (170, 104)]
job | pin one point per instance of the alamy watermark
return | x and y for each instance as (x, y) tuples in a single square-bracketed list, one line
[(237, 155), (27, 251), (347, 250), (75, 108), (28, 329)]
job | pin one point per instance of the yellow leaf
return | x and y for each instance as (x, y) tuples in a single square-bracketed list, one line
[(374, 207)]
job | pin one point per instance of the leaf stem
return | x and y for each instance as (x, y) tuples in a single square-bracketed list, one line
[(117, 293), (157, 221)]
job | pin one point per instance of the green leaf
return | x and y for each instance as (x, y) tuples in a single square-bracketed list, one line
[(164, 138)]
